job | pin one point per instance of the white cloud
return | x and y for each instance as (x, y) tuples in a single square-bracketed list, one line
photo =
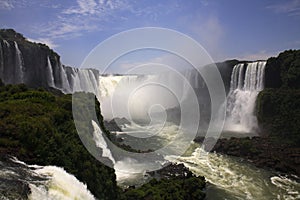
[(90, 15), (83, 7), (291, 7), (6, 4), (46, 41), (84, 16), (11, 4)]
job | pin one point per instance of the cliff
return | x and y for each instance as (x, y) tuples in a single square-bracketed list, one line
[(36, 65)]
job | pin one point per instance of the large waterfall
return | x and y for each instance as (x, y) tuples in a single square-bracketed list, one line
[(247, 80)]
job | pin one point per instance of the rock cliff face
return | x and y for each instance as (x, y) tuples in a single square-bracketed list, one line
[(36, 65)]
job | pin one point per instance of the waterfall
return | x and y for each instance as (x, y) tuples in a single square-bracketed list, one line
[(84, 80), (65, 83), (50, 76), (1, 61), (19, 65), (44, 182), (6, 43), (61, 185), (247, 80), (101, 143)]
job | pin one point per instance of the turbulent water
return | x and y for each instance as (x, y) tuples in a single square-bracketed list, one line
[(231, 178), (247, 80), (228, 177), (42, 182)]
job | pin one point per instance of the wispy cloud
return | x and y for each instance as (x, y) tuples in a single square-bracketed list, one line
[(83, 7), (6, 4), (290, 7), (91, 15), (84, 16), (11, 4)]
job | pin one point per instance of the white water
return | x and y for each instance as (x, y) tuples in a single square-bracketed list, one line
[(45, 182), (139, 97), (233, 179), (6, 43), (19, 64), (63, 75), (247, 80), (228, 178), (50, 76), (101, 143), (61, 186)]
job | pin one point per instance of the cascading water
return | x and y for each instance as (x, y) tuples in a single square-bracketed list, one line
[(6, 43), (84, 80), (101, 143), (50, 76), (65, 83), (42, 182), (19, 65), (247, 80)]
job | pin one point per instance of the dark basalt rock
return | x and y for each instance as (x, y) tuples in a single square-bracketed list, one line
[(14, 179)]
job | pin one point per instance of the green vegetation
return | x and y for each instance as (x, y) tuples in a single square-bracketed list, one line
[(278, 112), (37, 127), (168, 189), (278, 106), (284, 70)]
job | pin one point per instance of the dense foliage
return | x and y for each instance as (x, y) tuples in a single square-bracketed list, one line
[(38, 128), (278, 106), (284, 70), (279, 113), (172, 188)]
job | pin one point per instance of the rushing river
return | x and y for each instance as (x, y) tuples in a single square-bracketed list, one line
[(228, 177)]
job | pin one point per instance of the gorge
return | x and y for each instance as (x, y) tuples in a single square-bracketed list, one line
[(248, 105)]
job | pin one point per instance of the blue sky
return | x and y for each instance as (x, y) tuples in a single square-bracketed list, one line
[(225, 28)]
